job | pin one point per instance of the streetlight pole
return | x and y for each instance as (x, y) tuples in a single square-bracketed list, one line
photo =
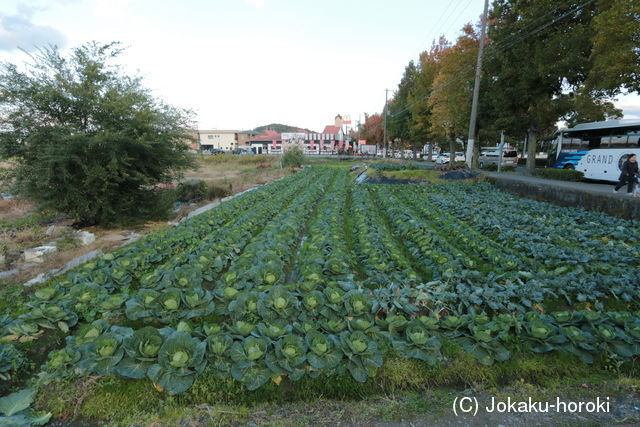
[(476, 87)]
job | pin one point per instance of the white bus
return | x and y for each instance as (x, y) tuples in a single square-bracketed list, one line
[(597, 149)]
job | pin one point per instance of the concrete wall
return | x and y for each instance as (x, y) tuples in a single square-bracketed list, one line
[(621, 206)]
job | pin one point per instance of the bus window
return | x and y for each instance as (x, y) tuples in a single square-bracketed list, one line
[(634, 139), (594, 142), (572, 144), (618, 141)]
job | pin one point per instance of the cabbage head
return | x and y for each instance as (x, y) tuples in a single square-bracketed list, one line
[(180, 359), (141, 351)]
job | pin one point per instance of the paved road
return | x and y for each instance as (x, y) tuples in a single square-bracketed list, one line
[(590, 187)]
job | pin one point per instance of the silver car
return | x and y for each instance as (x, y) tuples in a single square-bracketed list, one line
[(492, 156)]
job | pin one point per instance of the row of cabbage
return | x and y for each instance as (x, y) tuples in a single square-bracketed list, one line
[(171, 291), (256, 353), (322, 277), (504, 252)]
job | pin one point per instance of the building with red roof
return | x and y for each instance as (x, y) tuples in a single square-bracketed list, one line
[(331, 140)]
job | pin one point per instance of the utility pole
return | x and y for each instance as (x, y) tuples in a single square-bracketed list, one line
[(476, 87), (384, 119), (501, 151)]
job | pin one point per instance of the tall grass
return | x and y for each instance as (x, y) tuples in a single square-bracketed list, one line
[(232, 158)]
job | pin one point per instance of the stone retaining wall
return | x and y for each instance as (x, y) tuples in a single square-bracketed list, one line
[(621, 206)]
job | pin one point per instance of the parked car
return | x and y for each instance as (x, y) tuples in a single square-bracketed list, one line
[(241, 151), (492, 156), (442, 159), (216, 151)]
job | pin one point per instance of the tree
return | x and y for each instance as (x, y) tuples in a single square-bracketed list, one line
[(88, 140), (428, 69), (372, 130), (399, 117), (531, 64), (583, 107), (616, 53), (450, 100)]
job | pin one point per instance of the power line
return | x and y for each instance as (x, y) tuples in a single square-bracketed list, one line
[(441, 21), (493, 50), (464, 9)]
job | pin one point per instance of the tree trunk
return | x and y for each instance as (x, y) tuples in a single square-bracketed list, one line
[(532, 146), (430, 152)]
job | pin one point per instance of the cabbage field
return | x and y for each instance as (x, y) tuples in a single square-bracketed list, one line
[(314, 275)]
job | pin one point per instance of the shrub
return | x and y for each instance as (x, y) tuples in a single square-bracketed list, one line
[(192, 191), (101, 159), (293, 157), (217, 191), (67, 241), (494, 167), (490, 167), (540, 163), (198, 190), (559, 174)]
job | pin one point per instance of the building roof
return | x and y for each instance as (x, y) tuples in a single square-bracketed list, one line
[(221, 131), (267, 135), (331, 129)]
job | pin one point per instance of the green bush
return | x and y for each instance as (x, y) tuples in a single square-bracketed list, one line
[(217, 191), (559, 174), (494, 167), (293, 157), (490, 167), (540, 163), (196, 191), (102, 159), (68, 241), (192, 191)]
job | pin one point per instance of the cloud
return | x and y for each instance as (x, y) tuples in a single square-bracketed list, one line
[(256, 3), (18, 31), (112, 9)]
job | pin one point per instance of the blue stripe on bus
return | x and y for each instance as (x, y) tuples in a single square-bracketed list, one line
[(569, 158)]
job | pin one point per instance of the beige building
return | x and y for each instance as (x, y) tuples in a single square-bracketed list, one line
[(227, 140), (217, 139)]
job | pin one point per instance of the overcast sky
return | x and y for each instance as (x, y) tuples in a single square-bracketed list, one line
[(243, 63)]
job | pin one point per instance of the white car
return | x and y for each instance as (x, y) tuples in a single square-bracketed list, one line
[(442, 159)]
